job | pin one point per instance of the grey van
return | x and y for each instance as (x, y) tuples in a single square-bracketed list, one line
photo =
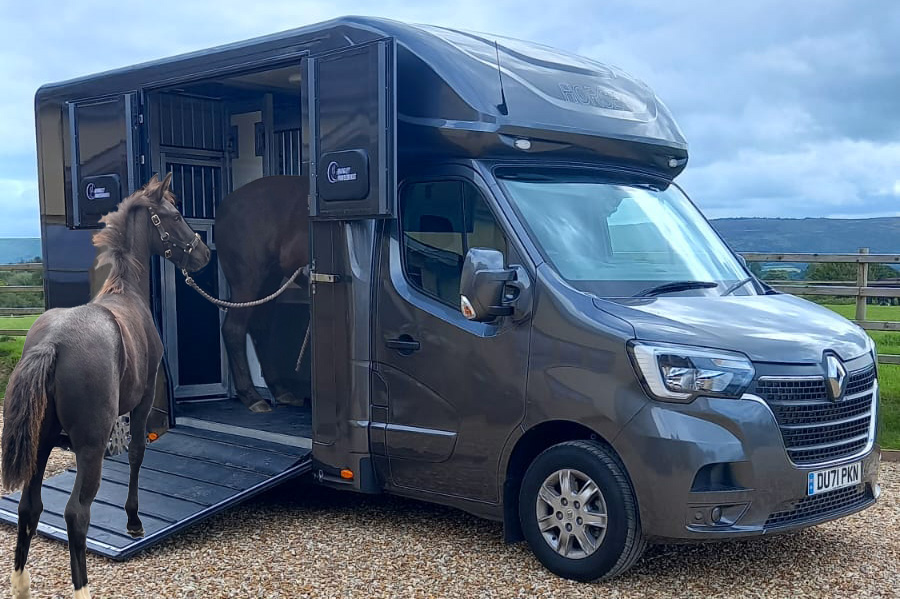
[(521, 315)]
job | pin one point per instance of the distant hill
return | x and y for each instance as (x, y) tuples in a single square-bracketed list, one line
[(19, 249), (821, 235), (776, 235)]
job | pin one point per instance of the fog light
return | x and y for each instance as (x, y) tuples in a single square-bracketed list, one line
[(716, 515)]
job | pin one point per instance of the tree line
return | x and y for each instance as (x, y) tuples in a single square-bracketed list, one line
[(824, 271)]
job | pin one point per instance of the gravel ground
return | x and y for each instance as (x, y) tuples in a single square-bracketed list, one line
[(305, 541)]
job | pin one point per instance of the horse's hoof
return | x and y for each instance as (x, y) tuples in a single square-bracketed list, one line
[(137, 533), (289, 399), (83, 593), (21, 584), (261, 406)]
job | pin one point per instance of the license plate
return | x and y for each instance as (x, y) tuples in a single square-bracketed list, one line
[(830, 479)]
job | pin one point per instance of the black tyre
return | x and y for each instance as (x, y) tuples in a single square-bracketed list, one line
[(578, 512)]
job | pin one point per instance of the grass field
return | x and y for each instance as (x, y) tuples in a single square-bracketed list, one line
[(11, 347), (17, 322), (888, 342)]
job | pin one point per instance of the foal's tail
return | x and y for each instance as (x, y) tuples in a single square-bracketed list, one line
[(23, 414)]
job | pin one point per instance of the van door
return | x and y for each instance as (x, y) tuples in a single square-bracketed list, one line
[(353, 121), (452, 390), (104, 140), (350, 99)]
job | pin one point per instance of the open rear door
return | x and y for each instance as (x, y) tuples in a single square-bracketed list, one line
[(352, 125), (104, 140), (353, 132), (187, 475)]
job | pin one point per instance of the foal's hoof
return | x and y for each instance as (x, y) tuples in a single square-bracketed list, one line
[(83, 593), (289, 399), (136, 533), (261, 406), (21, 584)]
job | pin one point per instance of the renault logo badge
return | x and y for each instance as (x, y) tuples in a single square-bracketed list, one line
[(835, 377)]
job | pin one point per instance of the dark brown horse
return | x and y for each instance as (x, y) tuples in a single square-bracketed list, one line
[(262, 236), (85, 366)]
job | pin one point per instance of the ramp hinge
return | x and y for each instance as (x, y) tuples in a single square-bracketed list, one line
[(140, 119), (142, 159), (321, 277)]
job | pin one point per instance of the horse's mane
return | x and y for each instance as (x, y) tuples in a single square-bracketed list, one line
[(114, 237), (124, 265)]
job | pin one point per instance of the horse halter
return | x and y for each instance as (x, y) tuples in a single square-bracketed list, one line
[(170, 242)]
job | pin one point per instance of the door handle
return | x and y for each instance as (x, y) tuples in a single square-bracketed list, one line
[(403, 344)]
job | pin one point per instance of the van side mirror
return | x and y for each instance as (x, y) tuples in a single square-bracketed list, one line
[(487, 289)]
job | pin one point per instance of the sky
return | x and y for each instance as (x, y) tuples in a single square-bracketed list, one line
[(791, 109)]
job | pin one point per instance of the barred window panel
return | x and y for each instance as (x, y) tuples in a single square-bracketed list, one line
[(287, 151)]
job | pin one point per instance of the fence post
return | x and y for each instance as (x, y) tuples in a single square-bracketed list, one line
[(862, 280)]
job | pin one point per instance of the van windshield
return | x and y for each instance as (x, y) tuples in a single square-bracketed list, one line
[(622, 237)]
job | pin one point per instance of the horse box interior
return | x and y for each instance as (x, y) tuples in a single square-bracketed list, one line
[(348, 104)]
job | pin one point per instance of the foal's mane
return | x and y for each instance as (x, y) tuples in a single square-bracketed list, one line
[(115, 236)]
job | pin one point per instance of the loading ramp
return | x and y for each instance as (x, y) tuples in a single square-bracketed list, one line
[(187, 475)]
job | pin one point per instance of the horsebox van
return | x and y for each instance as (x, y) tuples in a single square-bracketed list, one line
[(513, 308)]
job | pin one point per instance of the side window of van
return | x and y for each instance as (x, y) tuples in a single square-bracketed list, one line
[(440, 221)]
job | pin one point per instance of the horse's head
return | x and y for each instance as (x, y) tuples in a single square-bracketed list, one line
[(174, 239)]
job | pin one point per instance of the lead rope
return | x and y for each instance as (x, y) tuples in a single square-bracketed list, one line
[(224, 306), (303, 347)]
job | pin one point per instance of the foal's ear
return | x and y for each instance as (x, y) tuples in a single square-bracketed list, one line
[(166, 188), (157, 191)]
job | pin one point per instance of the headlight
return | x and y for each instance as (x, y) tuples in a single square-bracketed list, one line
[(870, 343), (681, 373)]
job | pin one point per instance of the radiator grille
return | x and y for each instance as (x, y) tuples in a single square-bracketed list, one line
[(815, 428)]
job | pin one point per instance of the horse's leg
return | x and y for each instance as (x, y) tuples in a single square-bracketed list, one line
[(30, 508), (234, 332), (89, 462), (136, 449), (260, 329)]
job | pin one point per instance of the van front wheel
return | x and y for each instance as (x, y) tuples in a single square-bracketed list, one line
[(578, 512)]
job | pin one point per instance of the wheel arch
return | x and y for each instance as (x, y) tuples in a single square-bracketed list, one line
[(526, 448)]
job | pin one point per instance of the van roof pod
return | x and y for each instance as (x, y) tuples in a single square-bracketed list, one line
[(458, 92), (469, 84)]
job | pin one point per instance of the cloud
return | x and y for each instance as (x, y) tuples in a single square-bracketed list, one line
[(830, 60), (771, 95), (839, 179)]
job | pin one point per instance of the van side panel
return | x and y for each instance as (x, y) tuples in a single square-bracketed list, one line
[(578, 364)]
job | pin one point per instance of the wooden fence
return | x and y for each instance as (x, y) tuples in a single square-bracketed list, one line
[(34, 266), (861, 289)]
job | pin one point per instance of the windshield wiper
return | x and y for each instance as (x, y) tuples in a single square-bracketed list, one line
[(676, 286), (737, 286)]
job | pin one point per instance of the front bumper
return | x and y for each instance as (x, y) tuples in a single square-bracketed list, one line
[(718, 468)]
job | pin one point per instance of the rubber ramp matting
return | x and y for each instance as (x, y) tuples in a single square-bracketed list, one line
[(187, 475)]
